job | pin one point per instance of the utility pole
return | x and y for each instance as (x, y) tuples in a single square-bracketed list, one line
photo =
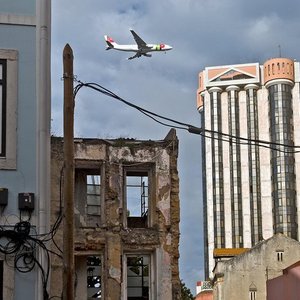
[(68, 228)]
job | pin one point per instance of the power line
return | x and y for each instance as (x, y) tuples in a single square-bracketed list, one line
[(251, 142), (148, 113), (206, 133)]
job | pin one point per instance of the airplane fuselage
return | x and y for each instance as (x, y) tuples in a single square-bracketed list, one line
[(149, 48), (140, 48)]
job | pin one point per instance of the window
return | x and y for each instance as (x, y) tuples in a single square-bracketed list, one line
[(279, 254), (137, 196), (93, 194), (252, 291), (252, 295), (138, 277), (88, 196), (93, 277), (8, 107), (88, 280)]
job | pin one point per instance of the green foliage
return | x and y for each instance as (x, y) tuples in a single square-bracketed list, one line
[(185, 292)]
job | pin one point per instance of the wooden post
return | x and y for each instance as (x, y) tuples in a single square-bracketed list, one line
[(68, 228)]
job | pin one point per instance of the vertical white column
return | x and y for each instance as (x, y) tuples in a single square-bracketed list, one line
[(226, 172), (296, 119), (43, 102), (210, 175), (245, 171), (265, 167)]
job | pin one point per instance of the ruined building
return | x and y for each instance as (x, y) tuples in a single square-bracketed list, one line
[(126, 218)]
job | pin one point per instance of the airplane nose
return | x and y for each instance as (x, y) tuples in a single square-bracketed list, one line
[(167, 47)]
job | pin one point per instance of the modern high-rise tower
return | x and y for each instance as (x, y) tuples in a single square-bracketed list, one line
[(251, 164)]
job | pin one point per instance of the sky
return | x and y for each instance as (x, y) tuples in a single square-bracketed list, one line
[(203, 33)]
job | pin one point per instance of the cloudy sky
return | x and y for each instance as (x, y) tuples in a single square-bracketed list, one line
[(203, 33)]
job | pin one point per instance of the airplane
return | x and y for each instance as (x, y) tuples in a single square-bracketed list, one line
[(141, 48)]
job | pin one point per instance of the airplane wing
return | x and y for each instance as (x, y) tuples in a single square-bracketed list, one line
[(139, 54), (134, 56), (138, 40)]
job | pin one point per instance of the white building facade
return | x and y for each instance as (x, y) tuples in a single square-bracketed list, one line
[(251, 117)]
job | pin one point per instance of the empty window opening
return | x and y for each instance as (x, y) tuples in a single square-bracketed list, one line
[(93, 264), (138, 275), (88, 277), (88, 196), (93, 194), (137, 196)]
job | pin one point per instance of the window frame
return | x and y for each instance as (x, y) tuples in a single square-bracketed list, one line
[(8, 159), (152, 272), (279, 255), (96, 194), (252, 294), (85, 168), (81, 278), (138, 170)]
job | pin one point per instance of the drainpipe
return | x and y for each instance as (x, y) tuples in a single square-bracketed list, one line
[(43, 117)]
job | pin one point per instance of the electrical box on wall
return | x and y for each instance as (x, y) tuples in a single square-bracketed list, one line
[(26, 201), (3, 196)]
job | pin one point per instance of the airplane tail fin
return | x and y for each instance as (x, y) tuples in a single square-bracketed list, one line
[(110, 42)]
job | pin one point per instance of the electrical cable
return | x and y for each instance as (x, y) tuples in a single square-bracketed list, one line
[(249, 142), (284, 148), (19, 245), (254, 141), (107, 92)]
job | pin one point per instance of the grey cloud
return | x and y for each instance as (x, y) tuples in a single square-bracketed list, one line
[(203, 33)]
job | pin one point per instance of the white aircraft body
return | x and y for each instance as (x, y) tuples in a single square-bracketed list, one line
[(141, 48)]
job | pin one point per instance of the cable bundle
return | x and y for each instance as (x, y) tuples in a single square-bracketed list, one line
[(20, 246)]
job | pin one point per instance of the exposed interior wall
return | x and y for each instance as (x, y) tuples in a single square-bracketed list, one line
[(109, 234)]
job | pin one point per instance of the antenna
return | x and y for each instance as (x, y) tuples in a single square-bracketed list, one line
[(279, 48)]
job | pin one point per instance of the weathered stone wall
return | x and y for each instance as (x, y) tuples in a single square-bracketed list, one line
[(250, 271), (111, 237)]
